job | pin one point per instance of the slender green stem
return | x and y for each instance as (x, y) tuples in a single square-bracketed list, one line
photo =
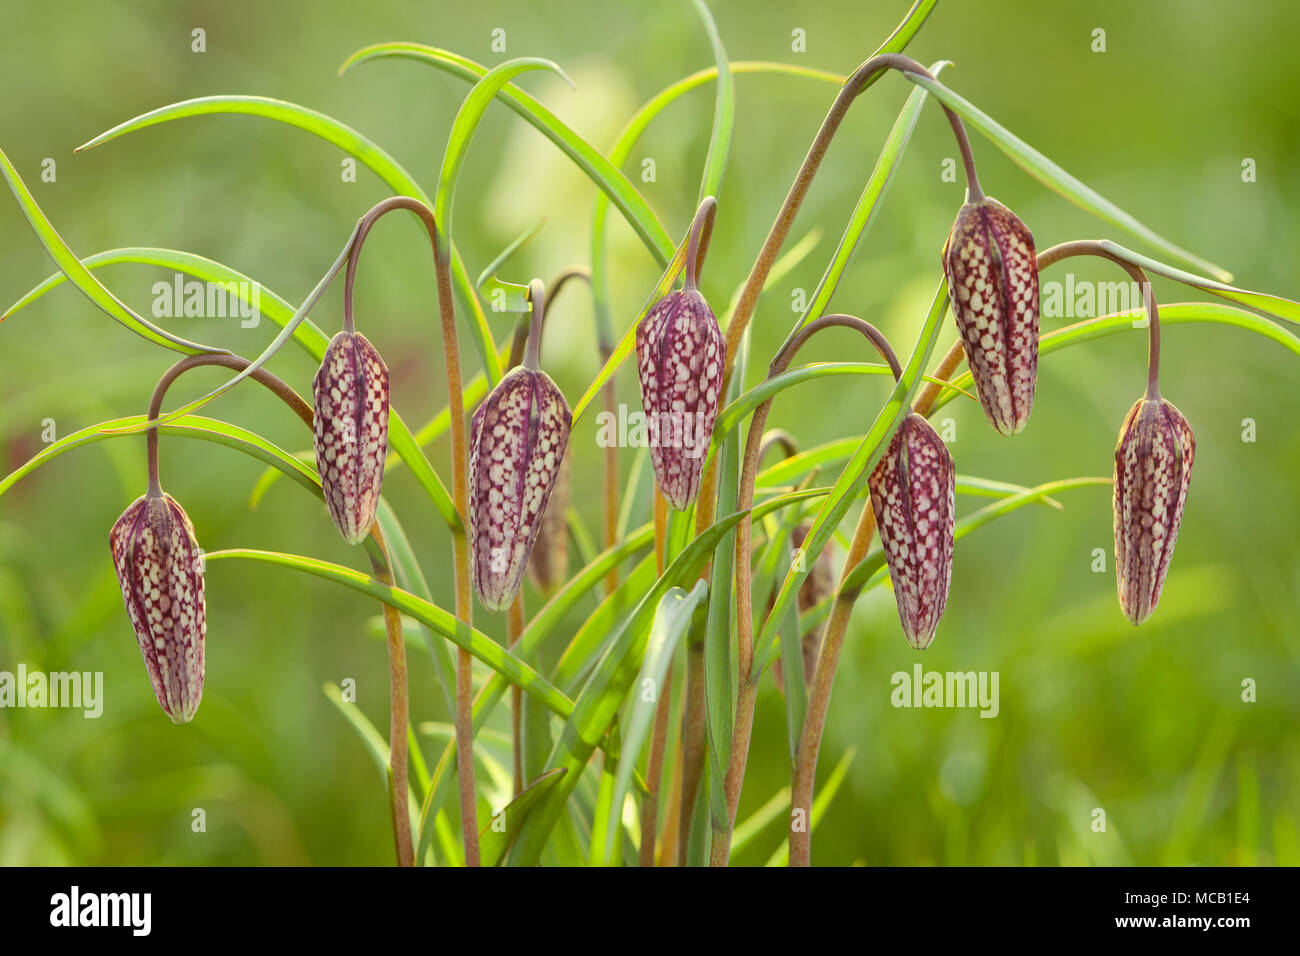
[(514, 627), (533, 353)]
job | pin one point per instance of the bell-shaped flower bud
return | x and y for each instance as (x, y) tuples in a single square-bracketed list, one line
[(1153, 468), (680, 356), (160, 568), (912, 493), (517, 442), (351, 432), (992, 275), (549, 566)]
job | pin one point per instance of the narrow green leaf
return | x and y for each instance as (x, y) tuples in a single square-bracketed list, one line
[(606, 689), (497, 836), (1058, 180), (476, 642), (612, 181), (671, 621), (81, 277), (1175, 313), (307, 335), (724, 111), (465, 126), (871, 569)]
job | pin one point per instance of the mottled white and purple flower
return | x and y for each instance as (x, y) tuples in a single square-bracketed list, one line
[(160, 569), (517, 442), (992, 273), (1153, 468), (680, 357), (913, 493), (351, 432)]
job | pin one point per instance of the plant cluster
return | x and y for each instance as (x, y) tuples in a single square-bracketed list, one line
[(709, 573)]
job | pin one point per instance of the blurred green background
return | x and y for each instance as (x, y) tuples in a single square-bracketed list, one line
[(1147, 724)]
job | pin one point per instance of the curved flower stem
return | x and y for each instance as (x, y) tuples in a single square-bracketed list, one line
[(778, 436), (771, 250), (381, 565), (747, 693), (776, 237), (1089, 247), (698, 247), (459, 494), (837, 624)]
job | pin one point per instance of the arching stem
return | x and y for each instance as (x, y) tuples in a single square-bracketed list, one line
[(381, 565), (747, 693), (459, 493)]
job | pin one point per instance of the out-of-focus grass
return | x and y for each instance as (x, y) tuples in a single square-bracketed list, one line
[(1148, 725)]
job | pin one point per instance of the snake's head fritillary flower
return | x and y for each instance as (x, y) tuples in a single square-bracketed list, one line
[(680, 356), (517, 443), (1153, 468), (160, 568), (992, 275), (912, 493), (549, 566), (351, 432)]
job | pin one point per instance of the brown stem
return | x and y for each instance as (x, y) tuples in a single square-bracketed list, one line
[(1091, 247), (381, 564), (694, 744), (459, 489), (514, 628), (654, 771), (776, 237), (747, 693)]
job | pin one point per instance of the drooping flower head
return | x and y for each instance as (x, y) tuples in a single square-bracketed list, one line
[(159, 567), (1153, 468), (913, 495), (351, 432), (680, 357), (992, 276), (517, 442)]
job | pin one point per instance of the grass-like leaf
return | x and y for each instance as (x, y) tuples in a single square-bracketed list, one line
[(605, 690), (1175, 313), (724, 111), (871, 569), (497, 836), (90, 286), (1058, 180), (466, 124), (476, 642), (671, 621), (307, 334), (599, 169)]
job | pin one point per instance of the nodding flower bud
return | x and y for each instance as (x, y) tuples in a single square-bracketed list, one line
[(351, 432), (517, 441), (992, 275), (680, 355), (549, 565), (160, 568), (1153, 467), (912, 493)]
